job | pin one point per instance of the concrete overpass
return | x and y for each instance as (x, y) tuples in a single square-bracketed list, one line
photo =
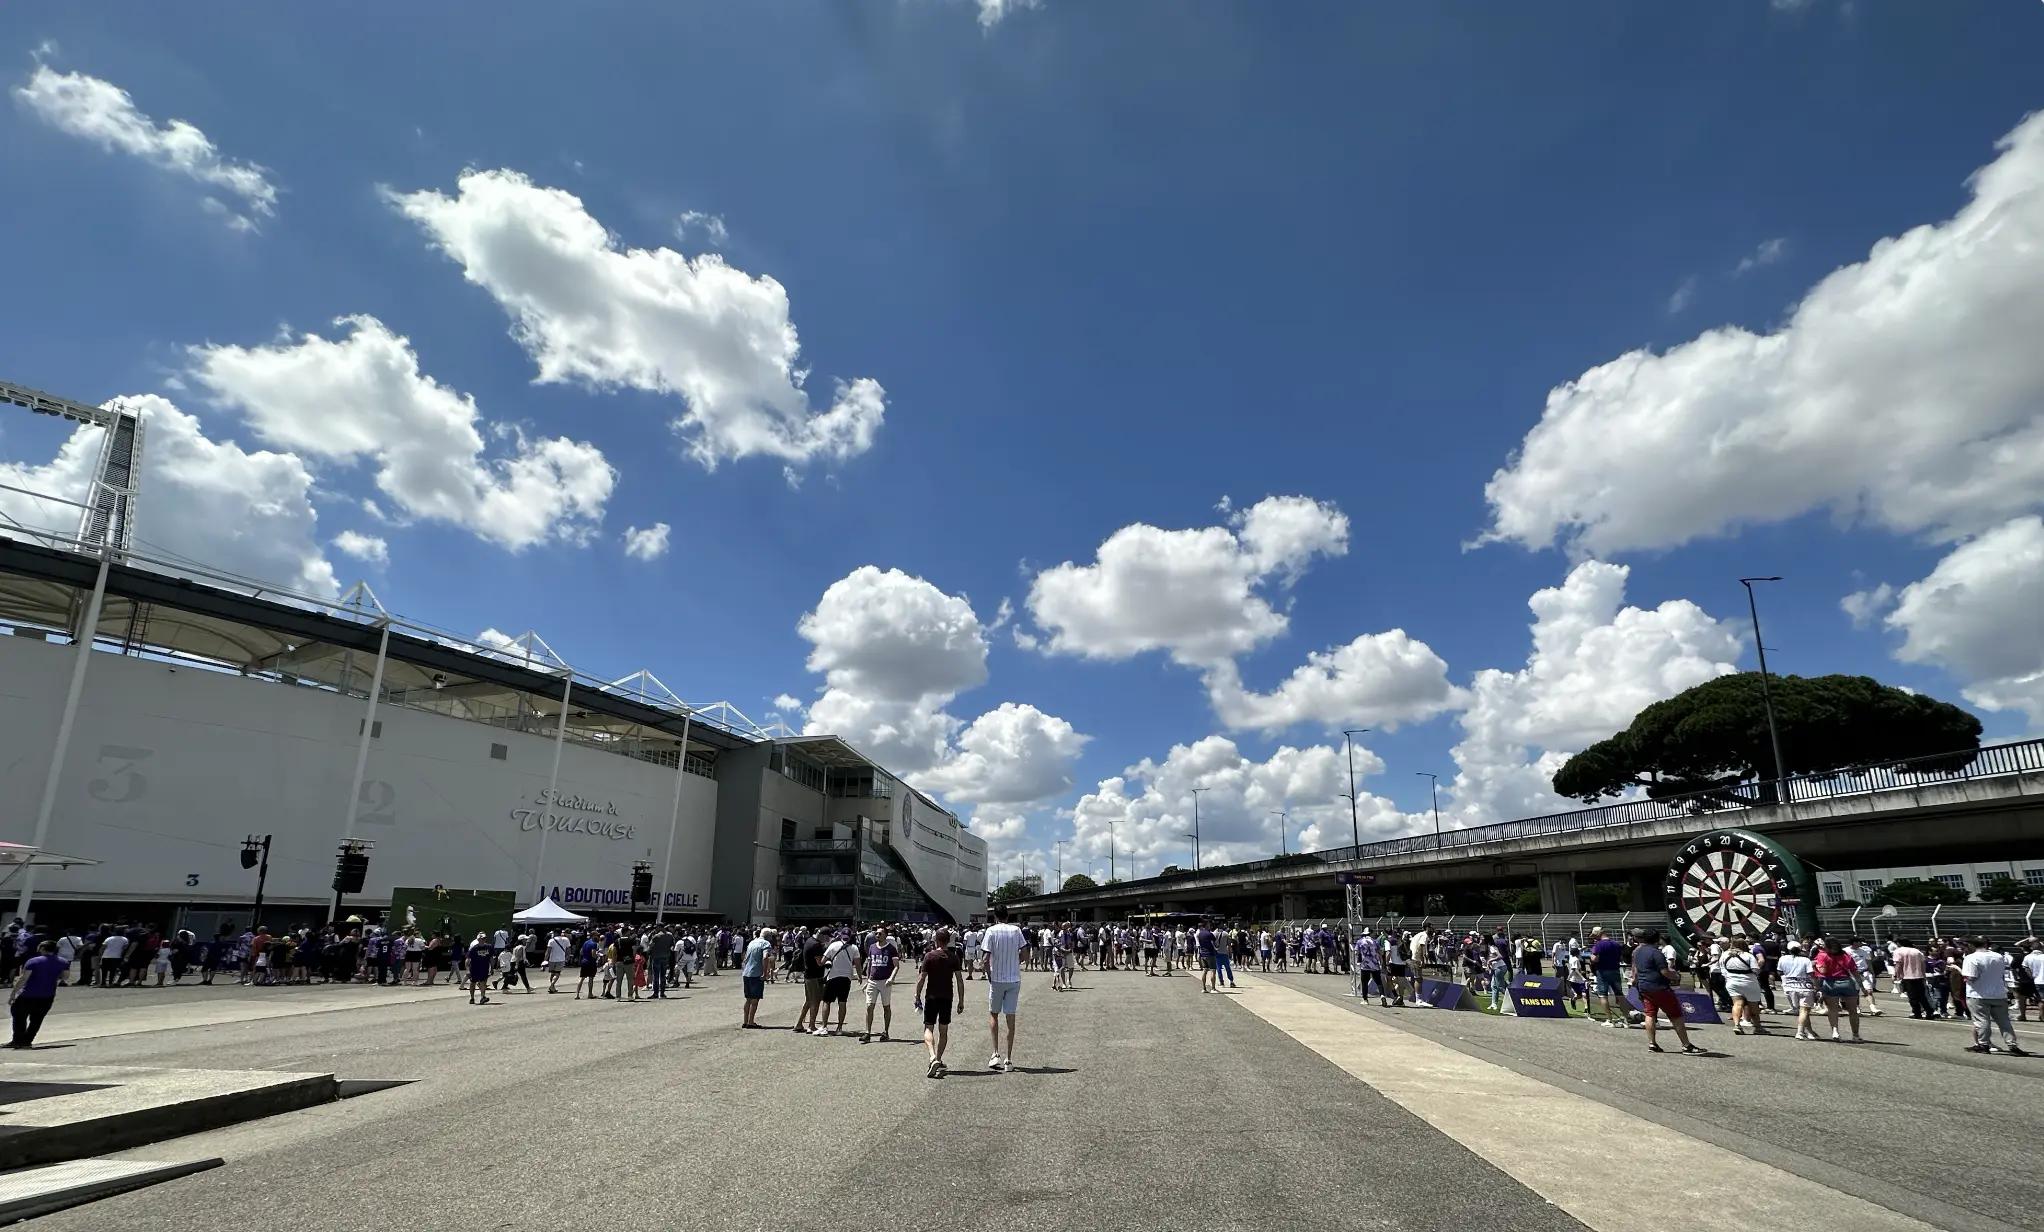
[(1949, 808)]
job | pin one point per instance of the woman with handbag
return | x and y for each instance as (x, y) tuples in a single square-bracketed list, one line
[(1741, 974), (1838, 984)]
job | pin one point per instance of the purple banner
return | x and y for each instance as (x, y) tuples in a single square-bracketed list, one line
[(1538, 996), (1444, 995), (1697, 1006)]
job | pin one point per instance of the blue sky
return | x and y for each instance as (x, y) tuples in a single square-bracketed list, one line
[(1098, 266)]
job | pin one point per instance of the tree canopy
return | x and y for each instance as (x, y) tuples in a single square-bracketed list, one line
[(2005, 889), (1917, 892), (1013, 888), (1715, 735), (1080, 881)]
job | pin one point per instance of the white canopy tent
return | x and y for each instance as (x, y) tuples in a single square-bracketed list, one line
[(547, 911)]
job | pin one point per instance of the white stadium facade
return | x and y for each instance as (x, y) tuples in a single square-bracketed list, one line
[(155, 715)]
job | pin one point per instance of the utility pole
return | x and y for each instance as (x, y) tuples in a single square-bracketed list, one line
[(1195, 827), (1766, 689), (1355, 827), (1061, 864), (1110, 850), (1434, 783), (1284, 824)]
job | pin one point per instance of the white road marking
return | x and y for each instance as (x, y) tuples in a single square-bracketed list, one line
[(1583, 1156)]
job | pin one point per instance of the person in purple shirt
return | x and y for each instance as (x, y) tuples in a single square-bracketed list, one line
[(35, 990)]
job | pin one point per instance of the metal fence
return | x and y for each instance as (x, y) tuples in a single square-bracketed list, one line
[(1989, 761), (1999, 923)]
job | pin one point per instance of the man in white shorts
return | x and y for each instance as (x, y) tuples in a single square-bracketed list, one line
[(1002, 947), (556, 960), (972, 936), (881, 959)]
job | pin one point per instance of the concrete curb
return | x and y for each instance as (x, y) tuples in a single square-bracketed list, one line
[(27, 1145)]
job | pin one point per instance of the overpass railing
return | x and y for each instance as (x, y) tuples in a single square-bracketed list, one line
[(1988, 761)]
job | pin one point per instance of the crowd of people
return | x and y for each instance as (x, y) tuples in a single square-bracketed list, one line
[(1840, 978)]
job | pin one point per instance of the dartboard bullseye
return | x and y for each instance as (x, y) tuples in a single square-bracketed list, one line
[(1735, 881)]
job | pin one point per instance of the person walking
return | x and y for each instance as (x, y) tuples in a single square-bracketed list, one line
[(1224, 962), (882, 957), (1987, 997), (754, 971), (1909, 973), (1002, 948), (1838, 984), (2030, 979), (479, 957), (1653, 979), (1798, 987), (35, 991), (660, 960), (940, 984), (1740, 970), (840, 964)]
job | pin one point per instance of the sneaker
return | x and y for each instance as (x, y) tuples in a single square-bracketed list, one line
[(865, 1037), (2014, 1051), (995, 1063), (936, 1068), (883, 1037), (1834, 1037), (1007, 1066)]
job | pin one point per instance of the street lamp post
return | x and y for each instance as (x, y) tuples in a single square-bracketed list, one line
[(1110, 850), (1766, 689), (1061, 863), (1195, 827), (1195, 846), (1284, 824), (1434, 785), (1355, 827)]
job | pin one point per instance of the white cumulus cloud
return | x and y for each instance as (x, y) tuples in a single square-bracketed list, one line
[(1378, 680), (1905, 391), (1147, 810), (1012, 754), (363, 397), (104, 114), (895, 651), (649, 543), (370, 549), (1199, 594), (591, 312), (1977, 615), (1594, 664), (991, 12)]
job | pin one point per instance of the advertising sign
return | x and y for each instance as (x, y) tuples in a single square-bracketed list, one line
[(1538, 996), (1444, 994)]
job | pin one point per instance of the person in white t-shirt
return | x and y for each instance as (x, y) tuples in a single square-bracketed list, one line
[(1002, 946), (556, 960), (1987, 996), (1798, 987), (972, 936), (2030, 978)]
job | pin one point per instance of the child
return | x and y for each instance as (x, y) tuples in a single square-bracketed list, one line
[(1500, 976), (1578, 981), (160, 962)]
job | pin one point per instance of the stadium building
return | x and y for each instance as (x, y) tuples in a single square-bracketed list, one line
[(155, 716)]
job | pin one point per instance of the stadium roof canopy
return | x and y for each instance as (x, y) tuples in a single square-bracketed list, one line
[(174, 611)]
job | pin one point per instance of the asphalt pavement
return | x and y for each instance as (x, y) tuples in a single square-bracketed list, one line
[(1909, 1120), (1137, 1104)]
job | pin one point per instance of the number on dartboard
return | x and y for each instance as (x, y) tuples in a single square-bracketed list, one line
[(117, 780)]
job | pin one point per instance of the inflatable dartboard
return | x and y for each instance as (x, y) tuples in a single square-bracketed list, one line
[(1735, 881)]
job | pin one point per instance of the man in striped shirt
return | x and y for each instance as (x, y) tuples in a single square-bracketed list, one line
[(1002, 947)]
